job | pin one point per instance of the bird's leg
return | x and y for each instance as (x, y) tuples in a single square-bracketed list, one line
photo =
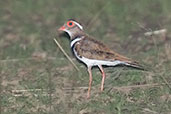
[(90, 81), (103, 76)]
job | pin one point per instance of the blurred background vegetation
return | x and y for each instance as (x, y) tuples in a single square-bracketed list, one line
[(36, 77)]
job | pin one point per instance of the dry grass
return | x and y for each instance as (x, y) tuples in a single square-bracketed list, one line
[(36, 77)]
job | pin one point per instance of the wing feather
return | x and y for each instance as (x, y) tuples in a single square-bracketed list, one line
[(93, 49)]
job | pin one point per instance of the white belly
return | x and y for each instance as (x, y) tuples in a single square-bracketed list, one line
[(93, 62)]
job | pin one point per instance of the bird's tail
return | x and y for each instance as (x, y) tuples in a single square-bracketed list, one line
[(129, 62), (136, 65)]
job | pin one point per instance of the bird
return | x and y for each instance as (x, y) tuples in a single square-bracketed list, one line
[(94, 53)]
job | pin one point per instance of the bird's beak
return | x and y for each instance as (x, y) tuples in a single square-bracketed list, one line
[(61, 28)]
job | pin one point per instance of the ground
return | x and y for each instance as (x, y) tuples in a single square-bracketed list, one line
[(37, 78)]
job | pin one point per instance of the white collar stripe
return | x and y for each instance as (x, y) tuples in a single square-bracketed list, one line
[(75, 41)]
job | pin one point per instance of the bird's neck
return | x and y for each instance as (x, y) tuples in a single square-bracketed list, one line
[(75, 34)]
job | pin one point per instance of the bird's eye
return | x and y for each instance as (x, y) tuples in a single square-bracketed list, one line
[(70, 24)]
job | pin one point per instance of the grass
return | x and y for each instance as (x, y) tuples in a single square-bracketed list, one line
[(36, 77)]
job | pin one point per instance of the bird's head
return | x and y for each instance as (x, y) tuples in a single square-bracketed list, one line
[(71, 27)]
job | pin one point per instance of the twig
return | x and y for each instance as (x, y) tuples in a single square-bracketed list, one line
[(66, 54), (122, 87), (157, 32), (25, 90), (15, 60), (150, 111), (25, 59), (166, 81), (28, 59), (138, 86)]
